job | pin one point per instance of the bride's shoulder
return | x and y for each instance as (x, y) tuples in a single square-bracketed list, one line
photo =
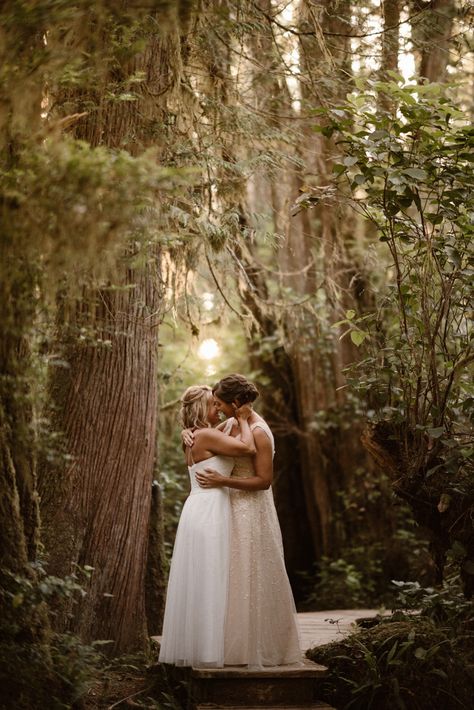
[(259, 421)]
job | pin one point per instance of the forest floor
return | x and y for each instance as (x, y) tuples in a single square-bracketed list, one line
[(120, 688), (128, 684)]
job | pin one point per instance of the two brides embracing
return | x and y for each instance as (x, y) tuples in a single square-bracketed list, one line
[(229, 601)]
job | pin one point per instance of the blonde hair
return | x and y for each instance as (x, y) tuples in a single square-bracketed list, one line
[(194, 407)]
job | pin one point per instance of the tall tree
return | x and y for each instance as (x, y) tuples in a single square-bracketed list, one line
[(37, 172), (21, 49), (105, 400), (321, 237), (432, 31)]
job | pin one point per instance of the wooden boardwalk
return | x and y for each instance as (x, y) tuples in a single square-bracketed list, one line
[(273, 688), (320, 627), (317, 628)]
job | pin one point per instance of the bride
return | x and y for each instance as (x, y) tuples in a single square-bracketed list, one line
[(196, 601), (260, 624)]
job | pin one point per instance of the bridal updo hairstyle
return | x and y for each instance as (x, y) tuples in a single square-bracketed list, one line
[(194, 407), (235, 388)]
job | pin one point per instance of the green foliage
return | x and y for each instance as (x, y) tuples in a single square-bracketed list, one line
[(68, 200), (411, 665), (444, 605), (360, 576), (416, 659), (341, 584), (411, 175), (62, 660)]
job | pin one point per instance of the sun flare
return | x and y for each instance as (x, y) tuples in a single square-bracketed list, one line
[(208, 349)]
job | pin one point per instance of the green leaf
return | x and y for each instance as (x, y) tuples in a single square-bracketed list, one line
[(350, 160), (436, 432), (416, 173), (433, 217), (358, 336), (350, 314), (420, 653)]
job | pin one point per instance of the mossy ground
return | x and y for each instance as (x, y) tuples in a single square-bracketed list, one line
[(409, 664)]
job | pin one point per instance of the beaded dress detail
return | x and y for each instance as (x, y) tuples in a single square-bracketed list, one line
[(261, 628)]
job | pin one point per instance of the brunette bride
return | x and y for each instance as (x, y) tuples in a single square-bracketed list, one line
[(260, 621)]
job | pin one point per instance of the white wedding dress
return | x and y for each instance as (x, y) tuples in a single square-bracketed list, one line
[(196, 601)]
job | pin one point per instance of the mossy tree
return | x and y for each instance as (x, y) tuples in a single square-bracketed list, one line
[(64, 205), (96, 508)]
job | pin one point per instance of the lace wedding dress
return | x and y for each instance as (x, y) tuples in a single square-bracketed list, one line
[(260, 627), (196, 600)]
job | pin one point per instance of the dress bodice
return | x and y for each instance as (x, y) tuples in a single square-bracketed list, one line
[(243, 467), (221, 464)]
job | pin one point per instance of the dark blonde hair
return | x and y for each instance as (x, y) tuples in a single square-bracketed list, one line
[(235, 388), (195, 406)]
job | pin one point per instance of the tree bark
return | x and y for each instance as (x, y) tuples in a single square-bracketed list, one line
[(106, 399), (432, 36), (390, 38), (331, 452), (390, 48)]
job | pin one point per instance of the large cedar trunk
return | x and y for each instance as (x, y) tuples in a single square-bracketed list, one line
[(105, 401)]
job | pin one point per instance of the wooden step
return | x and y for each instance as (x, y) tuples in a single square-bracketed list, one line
[(237, 686)]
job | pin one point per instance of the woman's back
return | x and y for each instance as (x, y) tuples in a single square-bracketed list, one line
[(221, 464)]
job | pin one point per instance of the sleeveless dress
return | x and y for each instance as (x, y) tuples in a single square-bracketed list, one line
[(196, 600), (260, 628)]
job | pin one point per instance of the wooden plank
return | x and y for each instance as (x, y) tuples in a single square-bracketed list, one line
[(307, 669), (318, 628)]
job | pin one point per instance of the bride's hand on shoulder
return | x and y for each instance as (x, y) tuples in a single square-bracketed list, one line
[(243, 412), (187, 436), (209, 478)]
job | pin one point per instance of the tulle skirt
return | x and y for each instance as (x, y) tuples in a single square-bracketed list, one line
[(193, 627)]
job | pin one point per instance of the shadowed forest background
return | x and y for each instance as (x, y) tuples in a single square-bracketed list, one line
[(193, 188)]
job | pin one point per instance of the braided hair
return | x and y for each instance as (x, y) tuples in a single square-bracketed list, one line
[(194, 407)]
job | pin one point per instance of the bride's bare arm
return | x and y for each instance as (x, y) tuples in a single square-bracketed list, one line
[(187, 435), (263, 465), (219, 443)]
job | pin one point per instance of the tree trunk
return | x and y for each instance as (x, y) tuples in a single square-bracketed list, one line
[(316, 356), (390, 46), (107, 402), (26, 674), (390, 37), (106, 399), (432, 36), (321, 247)]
